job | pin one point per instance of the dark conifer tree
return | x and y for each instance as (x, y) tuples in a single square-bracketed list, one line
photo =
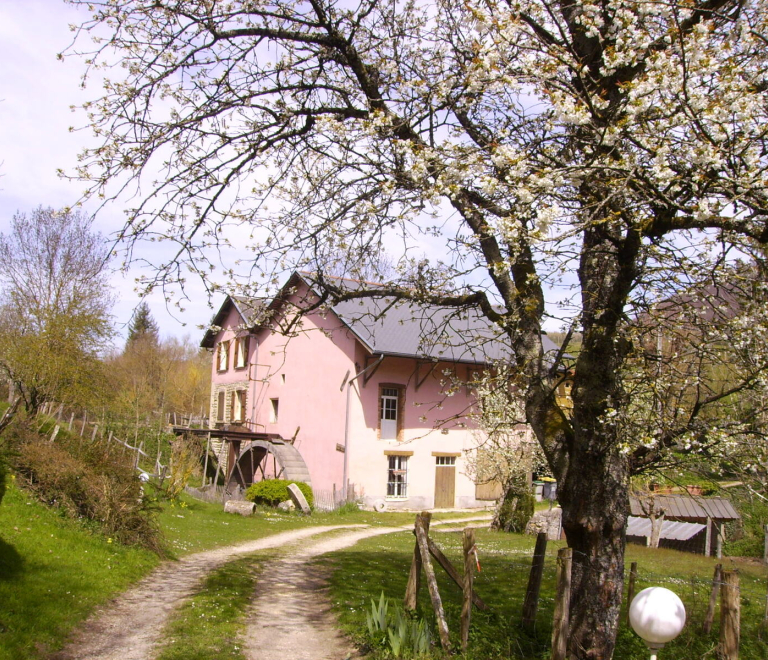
[(143, 326)]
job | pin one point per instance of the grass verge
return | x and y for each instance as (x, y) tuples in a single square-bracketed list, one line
[(361, 573), (193, 525), (208, 625), (53, 573)]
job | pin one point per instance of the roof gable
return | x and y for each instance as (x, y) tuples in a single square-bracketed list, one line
[(249, 310)]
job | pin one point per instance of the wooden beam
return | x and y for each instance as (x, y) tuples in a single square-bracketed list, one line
[(561, 622), (710, 616), (419, 363), (434, 593), (531, 603), (367, 363), (468, 546), (414, 577), (453, 573)]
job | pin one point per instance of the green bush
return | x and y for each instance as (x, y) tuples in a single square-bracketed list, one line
[(91, 480), (746, 537), (273, 491), (516, 509)]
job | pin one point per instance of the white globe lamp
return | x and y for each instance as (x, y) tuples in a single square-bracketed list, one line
[(657, 615)]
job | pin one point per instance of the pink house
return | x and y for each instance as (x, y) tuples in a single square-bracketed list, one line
[(366, 393)]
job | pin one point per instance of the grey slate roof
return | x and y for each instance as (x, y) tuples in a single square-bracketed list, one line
[(673, 531), (426, 331), (686, 507), (397, 328)]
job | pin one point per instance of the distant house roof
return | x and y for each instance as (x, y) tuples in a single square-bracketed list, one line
[(670, 530), (386, 326), (686, 507)]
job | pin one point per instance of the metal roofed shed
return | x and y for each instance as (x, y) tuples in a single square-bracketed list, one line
[(687, 537), (709, 513), (687, 508)]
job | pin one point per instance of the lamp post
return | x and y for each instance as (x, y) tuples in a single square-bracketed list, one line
[(657, 615)]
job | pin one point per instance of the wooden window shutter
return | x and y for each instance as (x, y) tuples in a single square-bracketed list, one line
[(220, 407)]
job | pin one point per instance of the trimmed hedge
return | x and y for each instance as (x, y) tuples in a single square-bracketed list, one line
[(274, 491)]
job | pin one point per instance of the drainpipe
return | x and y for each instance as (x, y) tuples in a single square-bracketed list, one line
[(348, 382)]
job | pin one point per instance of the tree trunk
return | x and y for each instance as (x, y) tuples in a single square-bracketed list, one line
[(595, 506), (657, 520)]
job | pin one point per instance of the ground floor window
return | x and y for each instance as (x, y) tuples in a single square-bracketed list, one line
[(397, 476)]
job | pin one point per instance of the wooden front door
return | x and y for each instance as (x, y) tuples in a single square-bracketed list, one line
[(445, 481)]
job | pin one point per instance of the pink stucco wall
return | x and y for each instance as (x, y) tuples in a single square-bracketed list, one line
[(304, 372)]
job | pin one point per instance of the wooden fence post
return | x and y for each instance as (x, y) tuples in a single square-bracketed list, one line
[(710, 616), (466, 605), (631, 589), (531, 603), (561, 622), (414, 577), (765, 614), (434, 594), (205, 466), (765, 545), (730, 611)]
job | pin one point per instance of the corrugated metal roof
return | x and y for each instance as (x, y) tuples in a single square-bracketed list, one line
[(683, 507), (670, 530)]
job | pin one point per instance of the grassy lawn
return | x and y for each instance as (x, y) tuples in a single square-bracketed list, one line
[(193, 525), (381, 564), (53, 573)]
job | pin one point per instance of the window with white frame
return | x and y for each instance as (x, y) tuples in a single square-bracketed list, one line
[(274, 410), (397, 476), (445, 460), (241, 352), (222, 363)]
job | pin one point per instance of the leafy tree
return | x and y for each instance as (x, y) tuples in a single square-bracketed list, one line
[(613, 147), (56, 300), (143, 326)]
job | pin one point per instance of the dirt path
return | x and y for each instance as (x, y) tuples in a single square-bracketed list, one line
[(129, 627), (291, 617), (293, 623)]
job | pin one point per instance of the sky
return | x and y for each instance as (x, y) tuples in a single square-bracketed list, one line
[(36, 94)]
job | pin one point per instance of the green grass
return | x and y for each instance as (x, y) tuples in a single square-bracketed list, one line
[(193, 526), (207, 626), (53, 573), (381, 564)]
